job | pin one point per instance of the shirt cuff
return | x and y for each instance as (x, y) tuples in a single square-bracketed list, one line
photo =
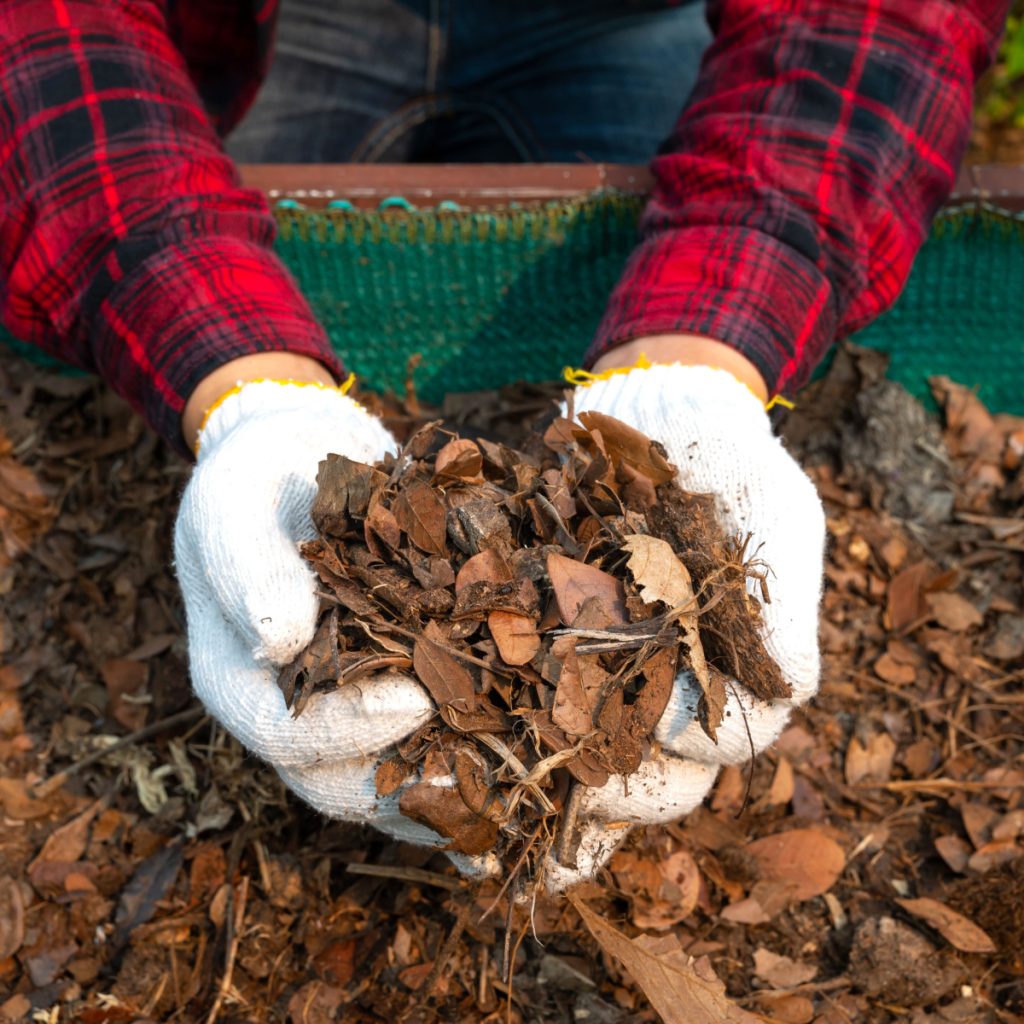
[(187, 310), (740, 286)]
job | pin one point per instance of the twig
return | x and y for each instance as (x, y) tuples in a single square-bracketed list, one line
[(520, 860), (46, 786), (927, 785), (235, 922), (564, 844), (405, 874), (453, 651)]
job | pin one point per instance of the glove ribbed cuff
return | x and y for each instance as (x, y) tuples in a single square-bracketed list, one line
[(263, 397)]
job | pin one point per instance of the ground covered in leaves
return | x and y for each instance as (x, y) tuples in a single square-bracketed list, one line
[(150, 870)]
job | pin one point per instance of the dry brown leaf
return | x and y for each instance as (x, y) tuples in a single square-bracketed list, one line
[(871, 763), (674, 890), (781, 790), (766, 900), (485, 567), (515, 635), (906, 602), (804, 857), (669, 980), (953, 611), (445, 678), (574, 582), (659, 672), (662, 577), (785, 1007), (629, 445), (67, 843), (954, 851), (444, 811), (993, 854), (781, 971), (658, 572), (460, 458), (956, 929), (12, 917), (574, 703), (892, 671), (421, 514)]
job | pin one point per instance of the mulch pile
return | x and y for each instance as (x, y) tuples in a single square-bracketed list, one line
[(150, 870)]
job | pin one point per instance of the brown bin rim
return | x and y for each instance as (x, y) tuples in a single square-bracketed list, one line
[(999, 186)]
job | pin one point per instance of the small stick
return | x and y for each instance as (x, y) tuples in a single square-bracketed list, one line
[(235, 922), (46, 786), (515, 870), (453, 651), (564, 844), (406, 875), (927, 785)]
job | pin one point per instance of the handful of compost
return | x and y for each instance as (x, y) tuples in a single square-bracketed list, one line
[(547, 599)]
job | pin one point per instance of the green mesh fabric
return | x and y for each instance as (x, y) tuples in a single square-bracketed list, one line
[(486, 297)]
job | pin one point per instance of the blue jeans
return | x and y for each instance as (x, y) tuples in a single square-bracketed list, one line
[(468, 81)]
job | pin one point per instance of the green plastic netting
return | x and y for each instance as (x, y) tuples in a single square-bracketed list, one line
[(487, 297)]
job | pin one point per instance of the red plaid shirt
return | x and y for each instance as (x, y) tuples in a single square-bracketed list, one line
[(790, 201)]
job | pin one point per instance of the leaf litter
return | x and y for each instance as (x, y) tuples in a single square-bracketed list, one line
[(341, 923), (529, 594)]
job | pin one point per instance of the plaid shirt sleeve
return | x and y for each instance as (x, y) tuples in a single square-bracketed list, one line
[(127, 246), (802, 176)]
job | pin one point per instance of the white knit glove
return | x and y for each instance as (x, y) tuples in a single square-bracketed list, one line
[(251, 604), (718, 435)]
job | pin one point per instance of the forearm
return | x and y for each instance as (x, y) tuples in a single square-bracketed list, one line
[(801, 179), (127, 245)]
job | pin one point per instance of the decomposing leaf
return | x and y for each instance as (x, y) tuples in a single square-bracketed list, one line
[(485, 567), (630, 446), (870, 763), (445, 678), (781, 971), (954, 851), (65, 845), (460, 457), (658, 572), (421, 514), (956, 929), (953, 611), (803, 857), (575, 702), (575, 582), (445, 811), (906, 602), (12, 917), (548, 642), (679, 991), (149, 884), (515, 635)]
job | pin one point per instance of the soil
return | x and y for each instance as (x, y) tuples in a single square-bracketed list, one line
[(151, 871)]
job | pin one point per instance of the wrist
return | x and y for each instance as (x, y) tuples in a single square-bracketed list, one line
[(686, 350), (259, 366)]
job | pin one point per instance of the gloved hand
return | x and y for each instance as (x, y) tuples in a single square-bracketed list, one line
[(251, 604), (718, 435)]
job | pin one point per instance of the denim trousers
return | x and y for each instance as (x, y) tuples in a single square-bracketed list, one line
[(470, 81)]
